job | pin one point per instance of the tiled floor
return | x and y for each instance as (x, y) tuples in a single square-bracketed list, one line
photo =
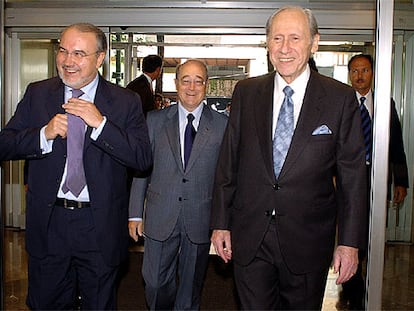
[(398, 286)]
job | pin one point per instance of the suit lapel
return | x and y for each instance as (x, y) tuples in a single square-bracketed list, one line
[(308, 118), (202, 137), (54, 102), (56, 98), (102, 102), (263, 117), (172, 129)]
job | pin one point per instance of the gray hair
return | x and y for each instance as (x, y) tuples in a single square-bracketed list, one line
[(191, 60), (102, 44), (313, 25)]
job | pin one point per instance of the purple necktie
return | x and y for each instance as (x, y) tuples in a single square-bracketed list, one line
[(75, 174)]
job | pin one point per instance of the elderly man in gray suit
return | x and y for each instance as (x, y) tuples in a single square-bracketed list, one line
[(185, 141)]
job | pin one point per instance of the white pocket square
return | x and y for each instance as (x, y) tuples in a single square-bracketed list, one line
[(322, 130)]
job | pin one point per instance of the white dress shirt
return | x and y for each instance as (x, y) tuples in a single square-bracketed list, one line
[(299, 88), (47, 145)]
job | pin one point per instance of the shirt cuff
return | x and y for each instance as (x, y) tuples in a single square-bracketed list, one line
[(45, 145), (135, 219), (97, 131)]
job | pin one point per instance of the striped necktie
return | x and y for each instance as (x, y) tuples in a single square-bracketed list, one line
[(366, 129)]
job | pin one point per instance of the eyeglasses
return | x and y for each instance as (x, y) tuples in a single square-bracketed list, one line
[(77, 54), (188, 82)]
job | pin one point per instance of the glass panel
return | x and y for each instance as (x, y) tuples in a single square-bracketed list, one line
[(218, 52), (117, 66)]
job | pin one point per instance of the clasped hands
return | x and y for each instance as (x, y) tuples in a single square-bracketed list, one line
[(86, 110)]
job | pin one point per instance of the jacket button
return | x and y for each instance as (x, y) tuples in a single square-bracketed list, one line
[(276, 186), (185, 180), (267, 213), (180, 199)]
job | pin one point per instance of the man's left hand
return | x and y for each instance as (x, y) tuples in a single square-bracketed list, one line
[(345, 262), (399, 194)]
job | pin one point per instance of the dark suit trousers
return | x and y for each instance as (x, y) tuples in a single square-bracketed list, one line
[(267, 284), (354, 289), (73, 265), (159, 271)]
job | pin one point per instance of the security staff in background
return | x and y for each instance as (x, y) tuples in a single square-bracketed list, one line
[(360, 70), (151, 68)]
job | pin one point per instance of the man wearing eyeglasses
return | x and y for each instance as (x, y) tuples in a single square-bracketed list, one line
[(185, 140), (80, 133)]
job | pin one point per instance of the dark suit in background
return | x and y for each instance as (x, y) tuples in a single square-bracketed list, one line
[(360, 69), (398, 171), (280, 231), (151, 67), (75, 247), (178, 198)]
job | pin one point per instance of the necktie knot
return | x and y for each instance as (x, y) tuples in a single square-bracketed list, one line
[(288, 91), (190, 118), (362, 100), (77, 93)]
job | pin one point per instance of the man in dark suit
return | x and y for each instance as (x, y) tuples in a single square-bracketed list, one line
[(360, 69), (151, 68), (178, 194), (76, 231), (277, 218)]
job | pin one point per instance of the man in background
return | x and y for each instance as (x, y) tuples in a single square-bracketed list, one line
[(360, 70), (151, 68), (79, 133), (185, 140)]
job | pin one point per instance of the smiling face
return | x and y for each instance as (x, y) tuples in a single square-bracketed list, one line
[(77, 59), (290, 44), (191, 84)]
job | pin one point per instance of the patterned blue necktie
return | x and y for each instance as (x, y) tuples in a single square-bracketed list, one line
[(75, 174), (366, 129), (283, 132), (189, 136)]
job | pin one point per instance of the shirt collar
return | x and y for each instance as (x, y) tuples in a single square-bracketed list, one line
[(89, 90), (298, 85), (182, 112), (148, 77), (367, 95)]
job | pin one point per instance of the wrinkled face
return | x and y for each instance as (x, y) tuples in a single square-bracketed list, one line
[(77, 59), (290, 44), (191, 85), (360, 74)]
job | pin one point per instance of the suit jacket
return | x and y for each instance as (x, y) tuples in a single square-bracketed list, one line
[(141, 86), (171, 191), (122, 143), (398, 171), (397, 161), (304, 197)]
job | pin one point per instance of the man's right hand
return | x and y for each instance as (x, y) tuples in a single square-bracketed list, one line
[(221, 240), (57, 126), (135, 229)]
